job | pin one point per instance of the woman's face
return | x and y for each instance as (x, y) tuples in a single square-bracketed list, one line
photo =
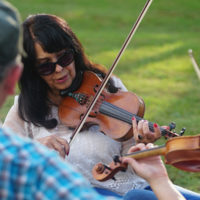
[(62, 77)]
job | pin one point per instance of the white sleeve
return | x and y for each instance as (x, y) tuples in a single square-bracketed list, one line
[(13, 121), (118, 83)]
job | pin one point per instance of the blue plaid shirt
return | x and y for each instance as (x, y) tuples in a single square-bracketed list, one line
[(30, 171)]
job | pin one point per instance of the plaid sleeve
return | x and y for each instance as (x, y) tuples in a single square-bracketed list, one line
[(61, 181), (30, 171)]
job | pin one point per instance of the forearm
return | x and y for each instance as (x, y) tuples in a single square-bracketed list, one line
[(165, 190)]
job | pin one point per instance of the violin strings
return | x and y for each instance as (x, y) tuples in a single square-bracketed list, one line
[(123, 115)]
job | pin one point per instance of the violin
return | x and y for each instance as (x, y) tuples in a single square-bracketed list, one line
[(113, 112), (181, 152)]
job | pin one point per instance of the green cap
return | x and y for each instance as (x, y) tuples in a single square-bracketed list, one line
[(10, 41)]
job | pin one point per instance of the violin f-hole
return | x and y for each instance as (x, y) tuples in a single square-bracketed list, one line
[(96, 89)]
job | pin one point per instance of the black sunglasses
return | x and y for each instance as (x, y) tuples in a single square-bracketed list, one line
[(48, 68)]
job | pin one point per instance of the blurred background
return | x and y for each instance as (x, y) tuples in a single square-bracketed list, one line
[(156, 65)]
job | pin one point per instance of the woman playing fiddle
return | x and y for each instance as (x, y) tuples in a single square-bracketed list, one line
[(55, 62)]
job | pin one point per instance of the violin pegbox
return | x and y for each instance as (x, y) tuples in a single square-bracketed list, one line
[(169, 133), (103, 172)]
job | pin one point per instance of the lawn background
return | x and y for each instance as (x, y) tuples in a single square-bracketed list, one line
[(155, 66)]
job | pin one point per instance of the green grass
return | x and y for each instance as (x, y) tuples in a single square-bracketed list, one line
[(156, 65)]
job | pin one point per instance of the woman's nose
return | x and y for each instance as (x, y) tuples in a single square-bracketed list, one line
[(58, 68)]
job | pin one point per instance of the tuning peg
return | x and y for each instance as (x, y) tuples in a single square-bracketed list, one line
[(182, 131), (116, 159), (106, 167), (172, 125)]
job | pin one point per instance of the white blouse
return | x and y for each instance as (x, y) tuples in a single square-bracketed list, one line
[(87, 149)]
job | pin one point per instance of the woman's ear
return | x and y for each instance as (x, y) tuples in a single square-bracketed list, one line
[(11, 79)]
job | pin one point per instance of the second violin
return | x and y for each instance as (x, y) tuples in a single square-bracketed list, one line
[(181, 152)]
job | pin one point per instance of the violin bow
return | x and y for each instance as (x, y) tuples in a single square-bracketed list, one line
[(195, 65), (105, 80)]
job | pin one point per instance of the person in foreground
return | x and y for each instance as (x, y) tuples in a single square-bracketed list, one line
[(28, 170), (55, 62)]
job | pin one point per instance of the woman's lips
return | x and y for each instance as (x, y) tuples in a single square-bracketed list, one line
[(62, 79)]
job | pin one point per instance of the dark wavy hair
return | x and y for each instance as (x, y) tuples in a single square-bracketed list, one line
[(54, 35)]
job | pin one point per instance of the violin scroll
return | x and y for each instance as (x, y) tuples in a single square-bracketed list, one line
[(103, 172)]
